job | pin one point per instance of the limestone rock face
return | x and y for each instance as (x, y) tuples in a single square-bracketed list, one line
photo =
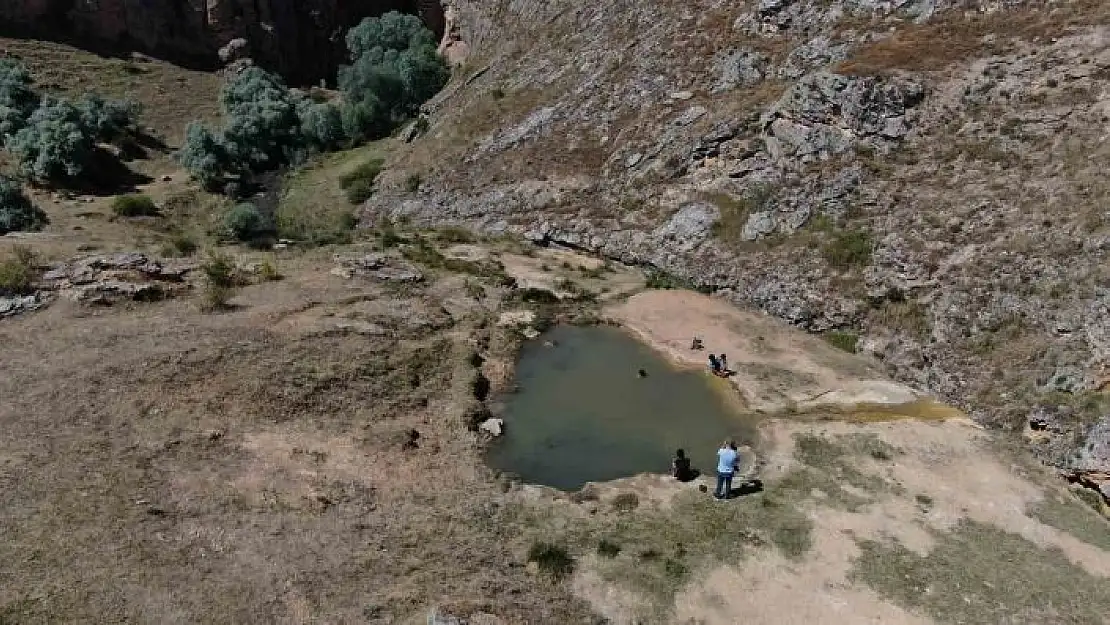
[(302, 39)]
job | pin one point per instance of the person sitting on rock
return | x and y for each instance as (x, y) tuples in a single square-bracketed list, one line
[(680, 467)]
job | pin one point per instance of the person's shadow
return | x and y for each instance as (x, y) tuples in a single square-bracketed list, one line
[(747, 487)]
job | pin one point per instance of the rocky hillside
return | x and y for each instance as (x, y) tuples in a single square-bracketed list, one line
[(303, 40), (923, 175)]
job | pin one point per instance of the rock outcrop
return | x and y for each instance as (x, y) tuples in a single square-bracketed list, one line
[(303, 39)]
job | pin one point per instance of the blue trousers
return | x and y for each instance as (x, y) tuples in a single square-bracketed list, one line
[(724, 484)]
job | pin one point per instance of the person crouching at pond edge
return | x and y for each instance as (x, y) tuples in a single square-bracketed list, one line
[(680, 467)]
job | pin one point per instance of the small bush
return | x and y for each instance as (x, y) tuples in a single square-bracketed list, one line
[(268, 271), (849, 249), (626, 502), (553, 560), (219, 281), (182, 245), (205, 156), (108, 119), (659, 279), (17, 212), (245, 223), (134, 205), (413, 182), (359, 182), (847, 341), (17, 272), (607, 548), (454, 234)]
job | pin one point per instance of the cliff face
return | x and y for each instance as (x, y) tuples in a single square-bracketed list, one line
[(303, 39), (924, 174)]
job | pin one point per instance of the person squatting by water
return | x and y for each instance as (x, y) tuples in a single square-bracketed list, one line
[(717, 365), (727, 459), (680, 467)]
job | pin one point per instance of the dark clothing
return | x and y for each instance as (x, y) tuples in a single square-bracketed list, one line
[(724, 485), (680, 469)]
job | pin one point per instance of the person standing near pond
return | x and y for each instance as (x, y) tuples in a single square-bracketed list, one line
[(726, 468)]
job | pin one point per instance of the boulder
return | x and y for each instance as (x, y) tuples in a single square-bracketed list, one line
[(17, 304), (493, 426), (740, 69), (690, 226)]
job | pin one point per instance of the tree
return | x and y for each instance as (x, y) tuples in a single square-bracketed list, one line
[(263, 128), (54, 144), (321, 124), (392, 31), (395, 68), (17, 212), (423, 73)]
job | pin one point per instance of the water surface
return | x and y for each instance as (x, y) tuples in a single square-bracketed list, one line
[(581, 413)]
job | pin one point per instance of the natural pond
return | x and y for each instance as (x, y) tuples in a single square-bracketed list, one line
[(581, 413)]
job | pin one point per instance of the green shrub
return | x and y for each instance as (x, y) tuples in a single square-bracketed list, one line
[(359, 182), (844, 340), (219, 281), (321, 125), (626, 502), (551, 559), (181, 245), (413, 182), (849, 249), (607, 548), (17, 99), (108, 119), (245, 223), (268, 271), (17, 212), (205, 156), (17, 272), (134, 205)]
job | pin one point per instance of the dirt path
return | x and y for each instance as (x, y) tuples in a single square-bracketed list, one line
[(776, 366)]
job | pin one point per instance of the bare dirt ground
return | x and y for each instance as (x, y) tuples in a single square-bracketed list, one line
[(775, 366), (272, 463)]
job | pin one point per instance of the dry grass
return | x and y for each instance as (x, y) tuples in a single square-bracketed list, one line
[(1067, 513), (980, 574), (656, 552), (314, 206), (956, 37)]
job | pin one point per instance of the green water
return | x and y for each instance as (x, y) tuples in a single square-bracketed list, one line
[(582, 414)]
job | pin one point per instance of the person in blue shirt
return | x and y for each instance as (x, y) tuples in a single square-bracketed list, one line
[(726, 467)]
